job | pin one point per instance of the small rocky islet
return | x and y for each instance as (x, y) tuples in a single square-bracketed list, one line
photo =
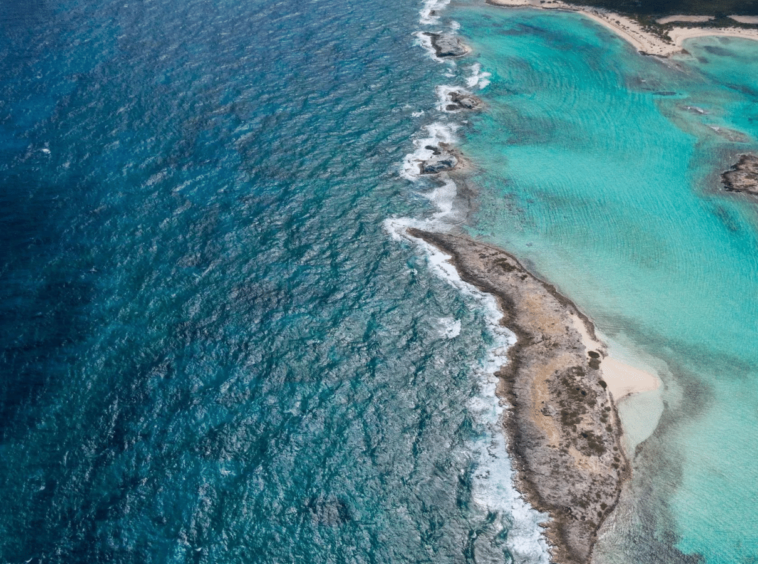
[(463, 101), (743, 176), (447, 45), (443, 159)]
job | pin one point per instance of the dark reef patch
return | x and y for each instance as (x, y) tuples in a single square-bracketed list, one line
[(448, 46), (743, 176)]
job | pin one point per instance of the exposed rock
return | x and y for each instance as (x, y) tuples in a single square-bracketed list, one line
[(442, 160), (563, 428), (446, 45), (743, 176), (463, 101)]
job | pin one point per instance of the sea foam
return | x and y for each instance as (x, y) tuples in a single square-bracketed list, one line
[(478, 78), (450, 328), (493, 486), (437, 132), (430, 10), (423, 40)]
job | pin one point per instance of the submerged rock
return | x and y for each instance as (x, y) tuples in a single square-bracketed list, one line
[(446, 45), (463, 101), (442, 160), (330, 512), (730, 134), (696, 110), (743, 176)]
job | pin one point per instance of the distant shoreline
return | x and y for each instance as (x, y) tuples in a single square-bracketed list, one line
[(628, 29)]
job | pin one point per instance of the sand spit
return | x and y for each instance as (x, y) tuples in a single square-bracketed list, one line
[(745, 19), (623, 380), (680, 34), (682, 18), (563, 429), (743, 176), (641, 39)]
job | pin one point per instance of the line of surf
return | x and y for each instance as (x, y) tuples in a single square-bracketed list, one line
[(493, 487)]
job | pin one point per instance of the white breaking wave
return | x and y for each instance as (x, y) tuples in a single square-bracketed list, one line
[(493, 481), (450, 328), (438, 132), (493, 487), (446, 216), (478, 78), (443, 96), (425, 41), (430, 10)]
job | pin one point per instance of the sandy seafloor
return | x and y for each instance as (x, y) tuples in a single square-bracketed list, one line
[(599, 168)]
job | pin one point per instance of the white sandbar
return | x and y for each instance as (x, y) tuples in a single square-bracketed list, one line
[(644, 41)]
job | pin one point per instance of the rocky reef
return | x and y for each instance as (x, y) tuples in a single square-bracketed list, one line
[(743, 176), (563, 429), (462, 101), (443, 159), (447, 45)]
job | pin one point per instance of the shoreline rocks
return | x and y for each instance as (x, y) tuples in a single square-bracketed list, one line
[(447, 45), (743, 176), (463, 101), (564, 434), (443, 159)]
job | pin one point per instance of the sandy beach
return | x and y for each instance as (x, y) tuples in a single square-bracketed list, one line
[(622, 379), (745, 19), (683, 18), (644, 41), (680, 34)]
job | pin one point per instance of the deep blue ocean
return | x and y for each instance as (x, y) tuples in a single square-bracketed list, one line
[(211, 348)]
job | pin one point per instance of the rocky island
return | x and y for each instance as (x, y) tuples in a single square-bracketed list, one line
[(563, 429), (443, 159), (447, 45), (743, 176), (462, 101)]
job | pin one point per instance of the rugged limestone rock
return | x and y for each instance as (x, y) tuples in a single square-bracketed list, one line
[(563, 429), (443, 159), (463, 101), (743, 176), (446, 45)]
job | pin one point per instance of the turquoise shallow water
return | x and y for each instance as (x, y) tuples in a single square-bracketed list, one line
[(594, 168)]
